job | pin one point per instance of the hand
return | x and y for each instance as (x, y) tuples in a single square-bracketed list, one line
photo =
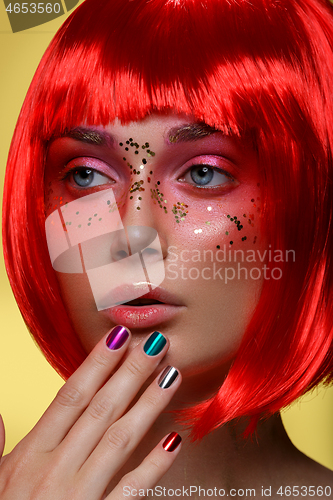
[(87, 434)]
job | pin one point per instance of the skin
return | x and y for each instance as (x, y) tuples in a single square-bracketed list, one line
[(204, 304), (82, 446)]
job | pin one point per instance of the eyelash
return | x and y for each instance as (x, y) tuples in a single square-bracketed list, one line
[(212, 169), (70, 170)]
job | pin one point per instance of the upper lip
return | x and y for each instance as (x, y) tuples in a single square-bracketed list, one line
[(157, 294)]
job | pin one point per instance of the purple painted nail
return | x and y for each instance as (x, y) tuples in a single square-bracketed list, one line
[(117, 337)]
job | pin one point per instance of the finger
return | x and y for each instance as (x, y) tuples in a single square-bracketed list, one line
[(78, 391), (2, 436), (150, 471), (121, 438), (109, 404)]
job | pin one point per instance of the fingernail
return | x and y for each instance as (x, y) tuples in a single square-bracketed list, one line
[(167, 377), (172, 441), (154, 344), (117, 337)]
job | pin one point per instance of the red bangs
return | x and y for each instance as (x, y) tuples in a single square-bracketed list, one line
[(151, 58)]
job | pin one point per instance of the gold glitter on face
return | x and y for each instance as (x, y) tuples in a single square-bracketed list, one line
[(239, 221), (158, 197), (137, 185), (180, 211)]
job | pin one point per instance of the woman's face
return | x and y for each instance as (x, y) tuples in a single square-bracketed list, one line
[(199, 190)]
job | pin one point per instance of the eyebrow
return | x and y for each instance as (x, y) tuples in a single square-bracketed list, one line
[(185, 133), (90, 136), (190, 132)]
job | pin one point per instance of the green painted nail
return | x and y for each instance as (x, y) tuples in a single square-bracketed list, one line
[(154, 344)]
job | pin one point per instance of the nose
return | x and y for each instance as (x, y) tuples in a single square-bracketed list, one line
[(136, 239), (142, 225)]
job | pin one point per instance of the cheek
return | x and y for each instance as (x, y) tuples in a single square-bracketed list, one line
[(231, 221), (77, 296), (217, 258), (53, 199)]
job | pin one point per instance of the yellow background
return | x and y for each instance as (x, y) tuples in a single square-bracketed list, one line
[(27, 382)]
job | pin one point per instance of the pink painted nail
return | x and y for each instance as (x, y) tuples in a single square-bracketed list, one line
[(117, 337)]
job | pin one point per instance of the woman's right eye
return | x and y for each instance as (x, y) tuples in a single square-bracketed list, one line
[(86, 177)]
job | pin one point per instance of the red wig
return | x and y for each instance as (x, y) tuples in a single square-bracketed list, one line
[(263, 67)]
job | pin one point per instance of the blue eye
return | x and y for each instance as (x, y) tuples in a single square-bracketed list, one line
[(203, 175), (86, 177), (83, 176)]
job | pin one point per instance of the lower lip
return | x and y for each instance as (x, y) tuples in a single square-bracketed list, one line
[(144, 316)]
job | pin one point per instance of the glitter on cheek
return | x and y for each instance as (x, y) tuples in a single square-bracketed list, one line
[(238, 224), (180, 211), (250, 219)]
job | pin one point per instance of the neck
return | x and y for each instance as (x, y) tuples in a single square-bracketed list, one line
[(223, 459)]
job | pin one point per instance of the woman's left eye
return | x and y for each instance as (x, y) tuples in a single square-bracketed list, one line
[(203, 175), (86, 177)]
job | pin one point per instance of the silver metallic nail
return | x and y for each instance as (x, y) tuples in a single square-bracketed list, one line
[(167, 377)]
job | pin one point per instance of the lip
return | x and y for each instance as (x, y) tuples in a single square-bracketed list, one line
[(147, 315)]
